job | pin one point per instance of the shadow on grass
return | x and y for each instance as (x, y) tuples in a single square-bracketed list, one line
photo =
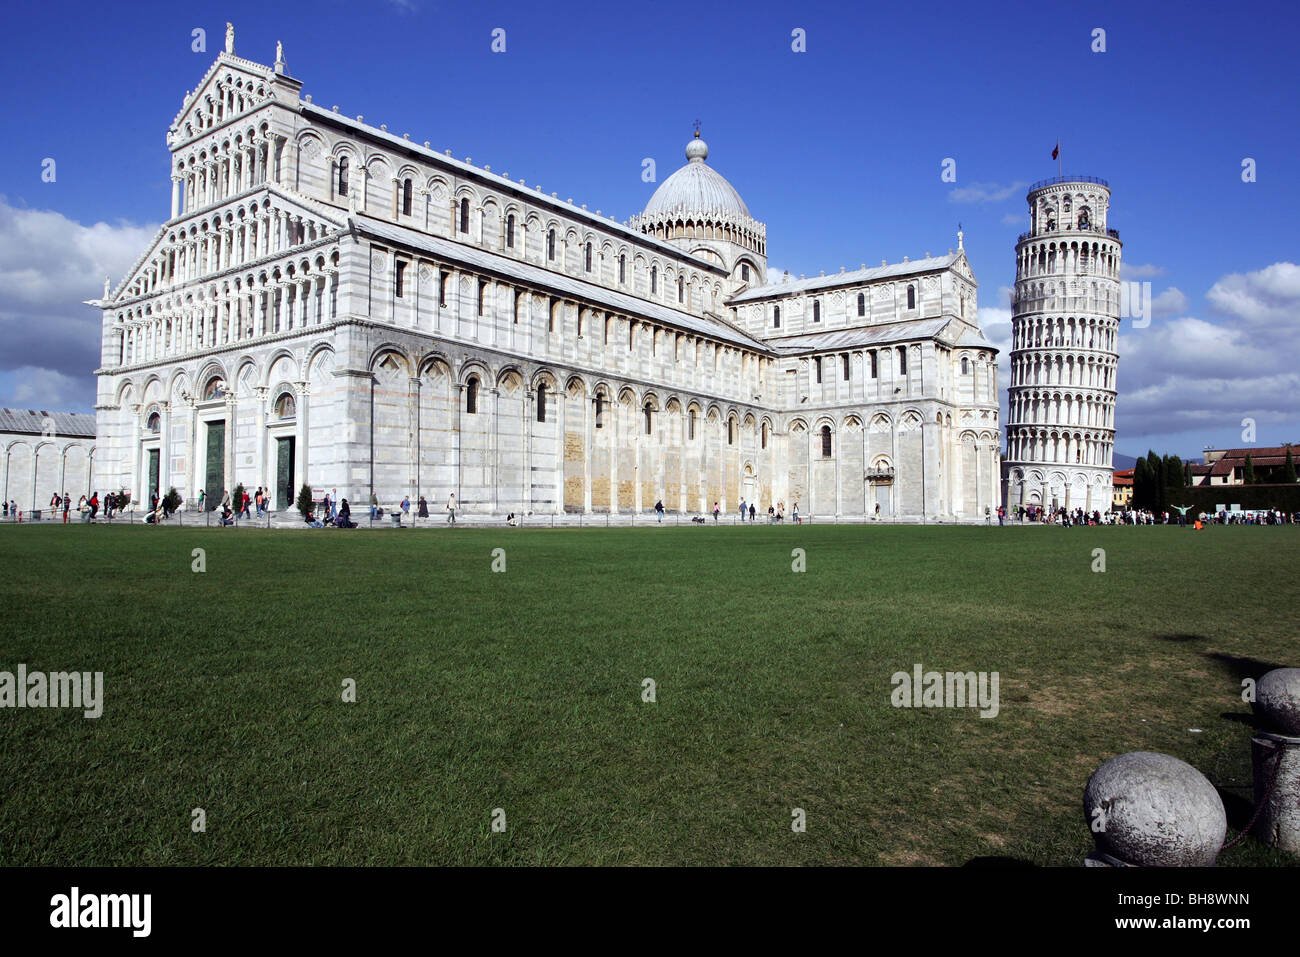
[(1181, 637), (1243, 667)]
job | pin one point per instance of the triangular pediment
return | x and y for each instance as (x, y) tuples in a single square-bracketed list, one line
[(231, 86), (331, 220)]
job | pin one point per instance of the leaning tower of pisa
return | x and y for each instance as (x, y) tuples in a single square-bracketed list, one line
[(1065, 334)]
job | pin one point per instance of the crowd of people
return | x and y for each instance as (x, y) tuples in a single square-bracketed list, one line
[(1182, 515)]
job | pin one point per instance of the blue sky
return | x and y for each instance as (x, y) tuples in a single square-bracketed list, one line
[(837, 149)]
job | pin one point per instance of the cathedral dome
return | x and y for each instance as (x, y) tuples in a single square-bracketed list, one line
[(696, 187)]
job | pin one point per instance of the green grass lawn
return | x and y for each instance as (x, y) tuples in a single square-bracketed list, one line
[(522, 690)]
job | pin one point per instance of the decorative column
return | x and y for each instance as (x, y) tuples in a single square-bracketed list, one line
[(228, 466), (561, 401), (261, 394), (165, 452), (589, 440), (526, 431), (176, 196), (302, 435)]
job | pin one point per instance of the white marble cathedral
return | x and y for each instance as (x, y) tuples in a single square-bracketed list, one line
[(335, 305)]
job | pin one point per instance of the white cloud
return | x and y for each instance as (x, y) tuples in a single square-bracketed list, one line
[(775, 274), (1265, 296), (1135, 271), (985, 192), (36, 388), (50, 264), (1015, 219), (1192, 374), (1171, 302)]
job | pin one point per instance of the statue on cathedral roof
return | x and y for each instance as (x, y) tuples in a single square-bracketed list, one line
[(230, 37)]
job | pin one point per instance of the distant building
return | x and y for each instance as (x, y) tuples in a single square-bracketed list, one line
[(1122, 490), (1228, 466), (44, 453)]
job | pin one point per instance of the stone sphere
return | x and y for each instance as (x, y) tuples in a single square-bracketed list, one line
[(1277, 700), (1158, 811)]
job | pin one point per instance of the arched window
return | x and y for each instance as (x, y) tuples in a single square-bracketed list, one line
[(826, 441), (845, 357), (764, 435), (875, 369), (550, 244), (510, 231), (471, 395), (654, 279), (154, 424), (586, 257), (600, 411), (482, 295), (541, 402), (965, 365), (690, 425), (648, 420), (213, 389), (776, 317), (902, 360), (862, 304), (681, 289), (343, 176), (817, 365), (911, 297), (399, 278), (744, 272), (731, 431), (285, 406), (817, 310), (464, 214), (406, 197), (622, 269)]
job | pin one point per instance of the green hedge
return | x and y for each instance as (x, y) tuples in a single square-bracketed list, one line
[(1204, 498)]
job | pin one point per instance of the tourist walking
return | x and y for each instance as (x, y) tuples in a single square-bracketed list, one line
[(423, 510), (94, 504), (742, 510), (716, 512), (659, 510), (374, 505), (451, 509), (794, 512), (334, 505), (751, 513)]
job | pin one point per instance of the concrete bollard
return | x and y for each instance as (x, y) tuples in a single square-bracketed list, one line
[(1153, 810), (1275, 754)]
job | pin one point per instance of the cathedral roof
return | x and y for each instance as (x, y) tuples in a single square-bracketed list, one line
[(855, 277), (696, 188), (877, 335), (35, 422), (450, 251)]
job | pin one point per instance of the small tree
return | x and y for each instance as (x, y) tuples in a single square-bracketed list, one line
[(172, 500), (306, 507), (1288, 469), (1248, 473)]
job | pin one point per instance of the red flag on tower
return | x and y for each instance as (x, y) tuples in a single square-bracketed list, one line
[(1056, 150)]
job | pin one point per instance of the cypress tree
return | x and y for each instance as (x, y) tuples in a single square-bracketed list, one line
[(1156, 466), (1248, 476), (1288, 470), (1141, 483)]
